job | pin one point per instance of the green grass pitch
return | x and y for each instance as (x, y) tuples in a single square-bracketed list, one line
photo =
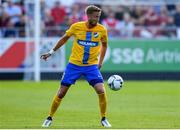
[(140, 104)]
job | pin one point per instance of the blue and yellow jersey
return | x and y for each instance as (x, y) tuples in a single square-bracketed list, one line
[(87, 43)]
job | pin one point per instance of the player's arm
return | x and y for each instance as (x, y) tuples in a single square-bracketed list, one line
[(61, 42), (102, 54), (104, 41)]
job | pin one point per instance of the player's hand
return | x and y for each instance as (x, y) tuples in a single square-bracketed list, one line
[(45, 56), (99, 66)]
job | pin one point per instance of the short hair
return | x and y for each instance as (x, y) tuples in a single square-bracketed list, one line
[(91, 9)]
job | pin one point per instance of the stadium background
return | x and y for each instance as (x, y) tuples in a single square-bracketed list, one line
[(144, 44), (143, 37)]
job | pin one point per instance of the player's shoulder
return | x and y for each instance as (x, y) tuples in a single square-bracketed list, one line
[(77, 24), (101, 27)]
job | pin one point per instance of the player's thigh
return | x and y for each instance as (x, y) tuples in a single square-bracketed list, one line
[(93, 76), (70, 75)]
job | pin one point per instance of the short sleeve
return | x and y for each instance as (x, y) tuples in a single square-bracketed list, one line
[(70, 31), (104, 37)]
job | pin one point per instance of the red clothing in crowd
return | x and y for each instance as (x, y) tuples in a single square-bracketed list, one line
[(58, 14)]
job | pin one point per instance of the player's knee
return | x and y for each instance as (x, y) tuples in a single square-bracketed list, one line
[(100, 92), (99, 88), (62, 91), (61, 94)]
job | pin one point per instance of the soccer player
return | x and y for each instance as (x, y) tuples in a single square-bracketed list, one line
[(90, 41)]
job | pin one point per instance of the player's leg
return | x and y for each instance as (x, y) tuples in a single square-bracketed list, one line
[(100, 90), (95, 79), (57, 99), (55, 104), (69, 77), (102, 98)]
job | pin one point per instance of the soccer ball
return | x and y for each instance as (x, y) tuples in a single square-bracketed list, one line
[(115, 82)]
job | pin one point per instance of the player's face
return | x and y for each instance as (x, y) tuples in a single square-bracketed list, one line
[(93, 18)]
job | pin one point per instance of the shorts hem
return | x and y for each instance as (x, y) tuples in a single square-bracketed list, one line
[(65, 84), (95, 81)]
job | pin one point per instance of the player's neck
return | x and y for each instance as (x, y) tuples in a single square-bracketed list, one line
[(89, 26)]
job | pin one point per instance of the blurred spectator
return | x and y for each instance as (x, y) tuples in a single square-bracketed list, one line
[(163, 16), (58, 13), (112, 24), (43, 9), (140, 21), (74, 16), (105, 12), (49, 24), (119, 13), (137, 12), (170, 28), (1, 17), (83, 16), (177, 16), (177, 20), (4, 19), (48, 19), (21, 26), (165, 24), (171, 9), (10, 17), (150, 17), (126, 26), (13, 11)]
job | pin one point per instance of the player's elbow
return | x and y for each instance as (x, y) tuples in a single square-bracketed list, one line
[(104, 44)]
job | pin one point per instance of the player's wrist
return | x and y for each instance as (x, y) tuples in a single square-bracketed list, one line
[(51, 52)]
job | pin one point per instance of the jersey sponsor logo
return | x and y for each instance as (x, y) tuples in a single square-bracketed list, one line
[(96, 34), (87, 43)]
